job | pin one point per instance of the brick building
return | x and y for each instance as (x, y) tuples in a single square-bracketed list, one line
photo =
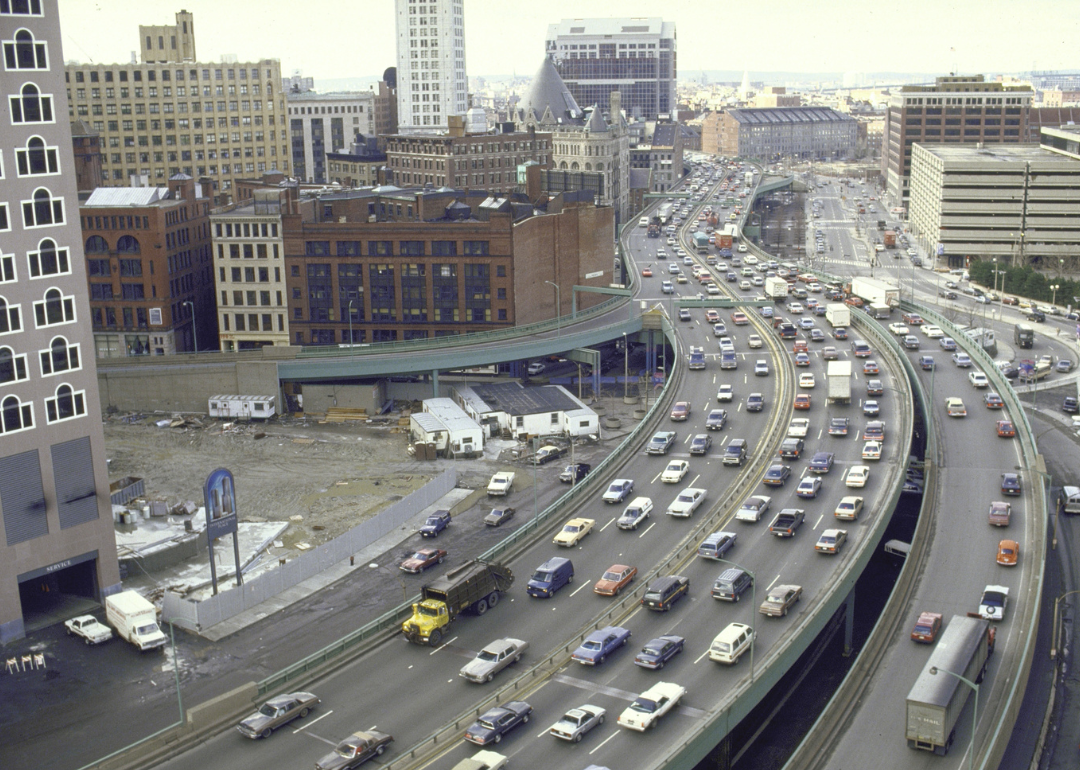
[(86, 144), (149, 268)]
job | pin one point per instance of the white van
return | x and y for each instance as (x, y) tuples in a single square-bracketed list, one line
[(731, 643), (1070, 499), (643, 222)]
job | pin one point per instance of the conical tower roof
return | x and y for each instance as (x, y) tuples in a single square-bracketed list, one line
[(548, 91)]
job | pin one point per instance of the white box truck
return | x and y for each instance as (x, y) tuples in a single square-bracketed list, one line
[(135, 620), (776, 289), (838, 376), (838, 314), (875, 291)]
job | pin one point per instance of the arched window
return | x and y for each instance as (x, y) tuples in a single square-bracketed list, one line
[(574, 166), (12, 367), (59, 357), (31, 106), (10, 318), (20, 7), (23, 53), (54, 309), (15, 415), (44, 210), (48, 260), (36, 159), (65, 405), (127, 245), (95, 244)]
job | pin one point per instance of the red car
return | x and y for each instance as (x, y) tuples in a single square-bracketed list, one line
[(680, 411), (422, 559), (853, 301), (802, 401), (926, 627), (646, 272), (800, 347), (739, 319), (1005, 429), (615, 579)]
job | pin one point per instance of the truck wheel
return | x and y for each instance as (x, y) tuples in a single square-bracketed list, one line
[(304, 712), (481, 607), (493, 599), (435, 638)]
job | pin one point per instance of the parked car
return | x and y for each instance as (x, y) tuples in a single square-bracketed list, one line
[(435, 524), (574, 473), (422, 559), (499, 516)]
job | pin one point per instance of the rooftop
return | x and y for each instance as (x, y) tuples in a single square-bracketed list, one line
[(127, 196), (777, 115), (997, 153), (515, 399), (653, 25)]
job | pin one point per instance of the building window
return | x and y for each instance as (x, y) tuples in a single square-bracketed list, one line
[(43, 210), (318, 248), (49, 260), (127, 244), (23, 53), (21, 8), (320, 292), (59, 357), (380, 248), (411, 248), (381, 287), (476, 248), (351, 292), (31, 106), (413, 292), (10, 317), (7, 268), (130, 268), (101, 291), (132, 291), (348, 248), (95, 244), (15, 415), (12, 367), (36, 159), (67, 404), (55, 309)]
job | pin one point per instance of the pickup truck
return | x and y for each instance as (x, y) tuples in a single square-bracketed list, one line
[(89, 628), (436, 523), (786, 522), (500, 483)]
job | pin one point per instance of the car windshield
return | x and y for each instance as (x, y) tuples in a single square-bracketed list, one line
[(268, 711), (487, 655), (612, 576), (593, 645), (993, 599), (686, 498), (419, 555), (542, 577), (644, 705)]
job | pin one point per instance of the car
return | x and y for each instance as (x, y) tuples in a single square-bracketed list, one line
[(667, 287), (680, 411), (755, 402), (899, 329), (870, 408), (795, 308), (739, 319), (725, 393), (673, 267), (798, 427), (1064, 365), (875, 388), (422, 559), (355, 750), (1006, 429), (807, 380), (780, 599), (871, 367), (927, 363), (761, 369), (277, 712), (615, 579), (684, 314), (932, 332), (913, 319), (716, 420), (993, 603), (573, 532), (1010, 484), (599, 644), (1008, 552), (652, 704), (577, 721), (806, 323), (874, 430), (646, 272), (910, 342), (675, 471), (926, 627), (686, 502), (659, 651), (857, 476), (701, 443), (831, 541), (840, 333), (961, 359), (947, 294), (830, 353), (753, 508), (618, 490), (993, 401), (494, 723), (947, 344), (718, 329), (838, 426), (659, 444), (493, 659), (1070, 405), (435, 524), (571, 474), (680, 278), (809, 487), (802, 359), (821, 462), (800, 346), (717, 544), (802, 401), (535, 368), (754, 341), (776, 475), (849, 508), (954, 407)]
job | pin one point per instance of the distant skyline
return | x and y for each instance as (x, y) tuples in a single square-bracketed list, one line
[(336, 39)]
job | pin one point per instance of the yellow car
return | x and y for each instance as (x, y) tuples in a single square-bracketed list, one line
[(573, 532)]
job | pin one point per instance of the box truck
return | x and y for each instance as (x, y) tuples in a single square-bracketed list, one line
[(875, 292), (135, 620), (838, 376), (474, 587), (838, 314), (776, 289)]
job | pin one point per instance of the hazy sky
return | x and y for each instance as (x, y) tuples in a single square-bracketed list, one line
[(355, 38)]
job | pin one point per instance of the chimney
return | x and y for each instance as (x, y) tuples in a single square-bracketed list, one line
[(616, 105)]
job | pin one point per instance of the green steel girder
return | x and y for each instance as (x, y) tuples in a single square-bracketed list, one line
[(595, 290)]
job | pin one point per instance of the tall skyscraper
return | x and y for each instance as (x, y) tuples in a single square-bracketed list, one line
[(432, 83), (56, 526), (635, 57)]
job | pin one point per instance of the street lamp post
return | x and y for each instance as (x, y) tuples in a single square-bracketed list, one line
[(974, 709), (1053, 293), (753, 603), (558, 309), (194, 337), (626, 369)]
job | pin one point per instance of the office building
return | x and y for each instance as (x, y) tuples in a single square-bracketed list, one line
[(636, 57), (170, 114), (249, 270), (808, 133), (322, 123), (57, 547), (1011, 202), (362, 164), (86, 144), (432, 84), (663, 154), (963, 109), (149, 268)]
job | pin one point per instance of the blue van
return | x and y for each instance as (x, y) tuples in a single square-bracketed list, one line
[(550, 576)]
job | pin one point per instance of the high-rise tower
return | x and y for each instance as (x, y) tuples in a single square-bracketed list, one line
[(432, 82)]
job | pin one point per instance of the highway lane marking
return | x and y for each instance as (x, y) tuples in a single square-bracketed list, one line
[(695, 480), (702, 655), (306, 725), (321, 738), (583, 586), (617, 732), (820, 433), (654, 478), (688, 436), (444, 644), (647, 530), (856, 435), (769, 587), (608, 524), (822, 516)]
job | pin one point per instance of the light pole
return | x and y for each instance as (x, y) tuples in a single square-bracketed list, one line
[(1055, 637), (176, 669), (753, 603), (350, 323), (996, 288), (558, 309), (1053, 293), (194, 338), (626, 369), (974, 709)]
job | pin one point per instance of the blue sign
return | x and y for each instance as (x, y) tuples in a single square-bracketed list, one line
[(219, 492)]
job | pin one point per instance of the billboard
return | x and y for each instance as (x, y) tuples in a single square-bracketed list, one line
[(219, 492)]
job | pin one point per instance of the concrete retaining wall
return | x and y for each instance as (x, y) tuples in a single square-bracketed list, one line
[(148, 388)]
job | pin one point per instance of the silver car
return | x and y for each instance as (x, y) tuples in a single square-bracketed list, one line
[(576, 722), (277, 712), (493, 659)]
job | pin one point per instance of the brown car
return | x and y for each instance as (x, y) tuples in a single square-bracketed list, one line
[(422, 559), (615, 579), (355, 750), (926, 627), (1008, 552), (277, 712)]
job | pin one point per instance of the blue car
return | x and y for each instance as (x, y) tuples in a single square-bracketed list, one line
[(948, 343), (599, 644), (806, 323), (821, 462), (494, 724), (659, 651)]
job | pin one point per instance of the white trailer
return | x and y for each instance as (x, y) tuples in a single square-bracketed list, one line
[(875, 291), (838, 314), (243, 407), (838, 376)]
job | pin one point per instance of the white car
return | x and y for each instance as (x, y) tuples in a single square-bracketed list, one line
[(686, 502), (725, 393), (753, 508), (899, 329), (483, 760), (932, 332), (573, 532), (578, 721), (807, 380), (978, 380), (798, 427), (871, 450), (992, 606), (536, 368), (675, 471), (857, 476), (712, 289), (754, 341), (652, 704), (742, 248)]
